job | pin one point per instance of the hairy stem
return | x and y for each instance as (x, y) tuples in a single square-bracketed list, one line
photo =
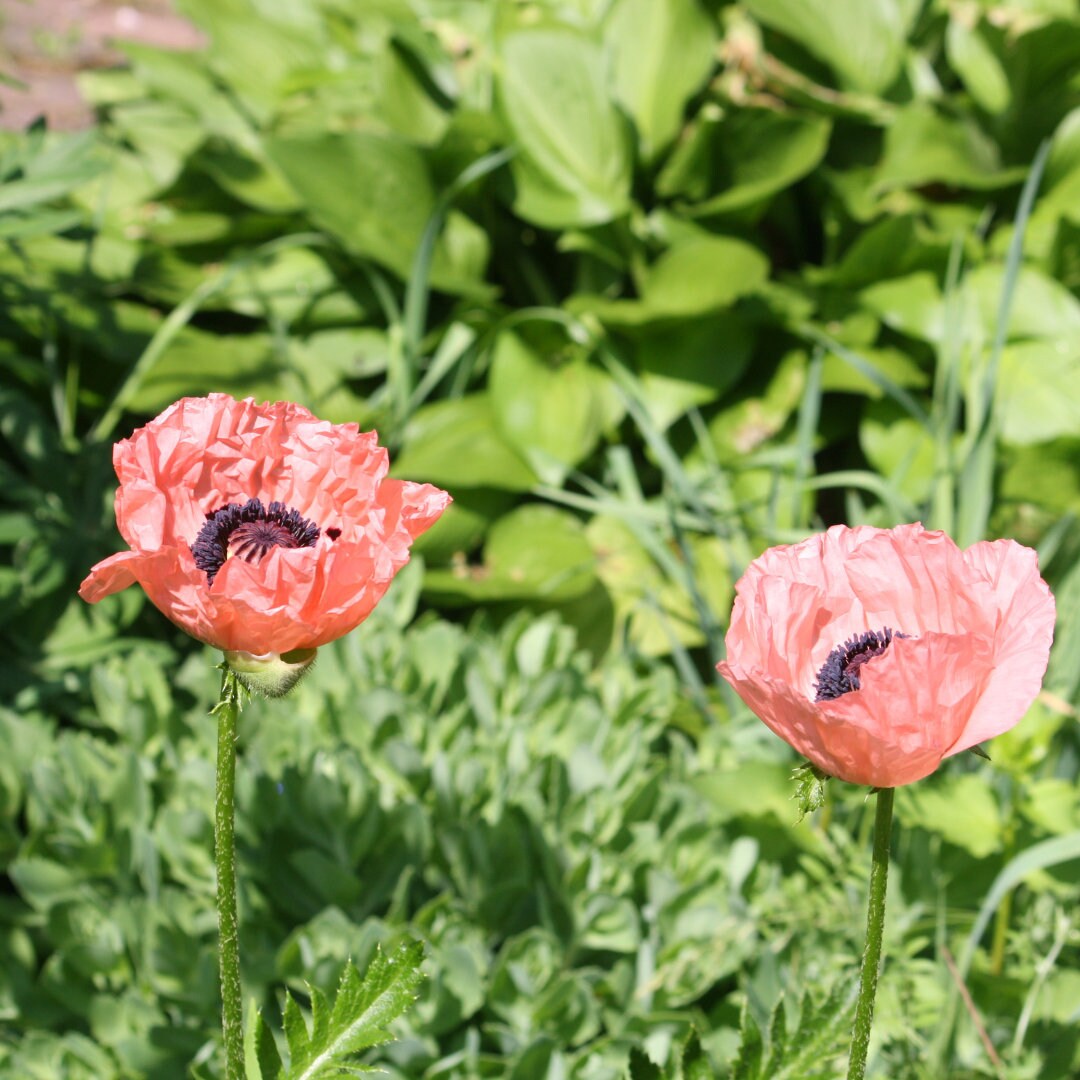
[(875, 926), (232, 1008)]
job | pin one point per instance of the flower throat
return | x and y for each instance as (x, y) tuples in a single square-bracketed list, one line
[(840, 672), (249, 531)]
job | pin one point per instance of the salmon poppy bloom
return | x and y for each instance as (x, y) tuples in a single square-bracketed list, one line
[(259, 529), (876, 653)]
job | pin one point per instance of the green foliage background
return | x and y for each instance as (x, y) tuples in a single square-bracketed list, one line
[(648, 285)]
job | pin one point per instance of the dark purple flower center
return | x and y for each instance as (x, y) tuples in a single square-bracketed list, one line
[(840, 672), (248, 531)]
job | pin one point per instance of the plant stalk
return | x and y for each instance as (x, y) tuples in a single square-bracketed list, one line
[(875, 926), (232, 1009)]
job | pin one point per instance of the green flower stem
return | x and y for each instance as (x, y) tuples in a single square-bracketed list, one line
[(875, 926), (232, 1007)]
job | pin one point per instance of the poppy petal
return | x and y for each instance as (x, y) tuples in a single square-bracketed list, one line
[(971, 638), (204, 454)]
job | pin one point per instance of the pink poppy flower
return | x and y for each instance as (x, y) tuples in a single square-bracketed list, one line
[(259, 529), (876, 653)]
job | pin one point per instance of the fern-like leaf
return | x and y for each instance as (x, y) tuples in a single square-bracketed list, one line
[(355, 1021), (688, 1061), (798, 1054)]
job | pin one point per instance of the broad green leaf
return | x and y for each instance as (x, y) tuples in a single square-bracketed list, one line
[(702, 274), (534, 553), (973, 59), (693, 362), (863, 41), (1041, 306), (744, 425), (457, 443), (257, 49), (58, 168), (403, 99), (894, 247), (657, 613), (463, 524), (1038, 395), (894, 365), (573, 167), (662, 54), (961, 808), (923, 146), (912, 305), (249, 174), (197, 362), (899, 448), (162, 134), (375, 194), (1051, 804), (552, 413), (183, 77), (736, 162), (1061, 180), (728, 791), (1039, 479)]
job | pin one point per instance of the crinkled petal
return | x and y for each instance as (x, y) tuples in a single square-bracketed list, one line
[(978, 627), (109, 576), (848, 751), (301, 598), (1024, 614), (410, 509), (203, 453), (171, 580)]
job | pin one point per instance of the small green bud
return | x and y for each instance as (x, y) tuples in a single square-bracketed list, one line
[(810, 784), (270, 674)]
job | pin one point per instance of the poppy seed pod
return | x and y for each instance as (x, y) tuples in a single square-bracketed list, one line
[(876, 653), (259, 529)]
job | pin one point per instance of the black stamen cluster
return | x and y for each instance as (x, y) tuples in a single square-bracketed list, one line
[(263, 528), (840, 672)]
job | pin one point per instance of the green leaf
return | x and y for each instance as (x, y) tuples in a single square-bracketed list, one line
[(533, 553), (1041, 307), (553, 414), (863, 41), (892, 364), (974, 60), (250, 175), (729, 164), (912, 305), (1038, 395), (457, 443), (961, 809), (900, 448), (743, 426), (662, 54), (802, 1051), (701, 274), (358, 1017), (923, 146), (59, 166), (574, 164), (641, 1068), (656, 611), (375, 194), (267, 1057), (810, 784), (691, 363)]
